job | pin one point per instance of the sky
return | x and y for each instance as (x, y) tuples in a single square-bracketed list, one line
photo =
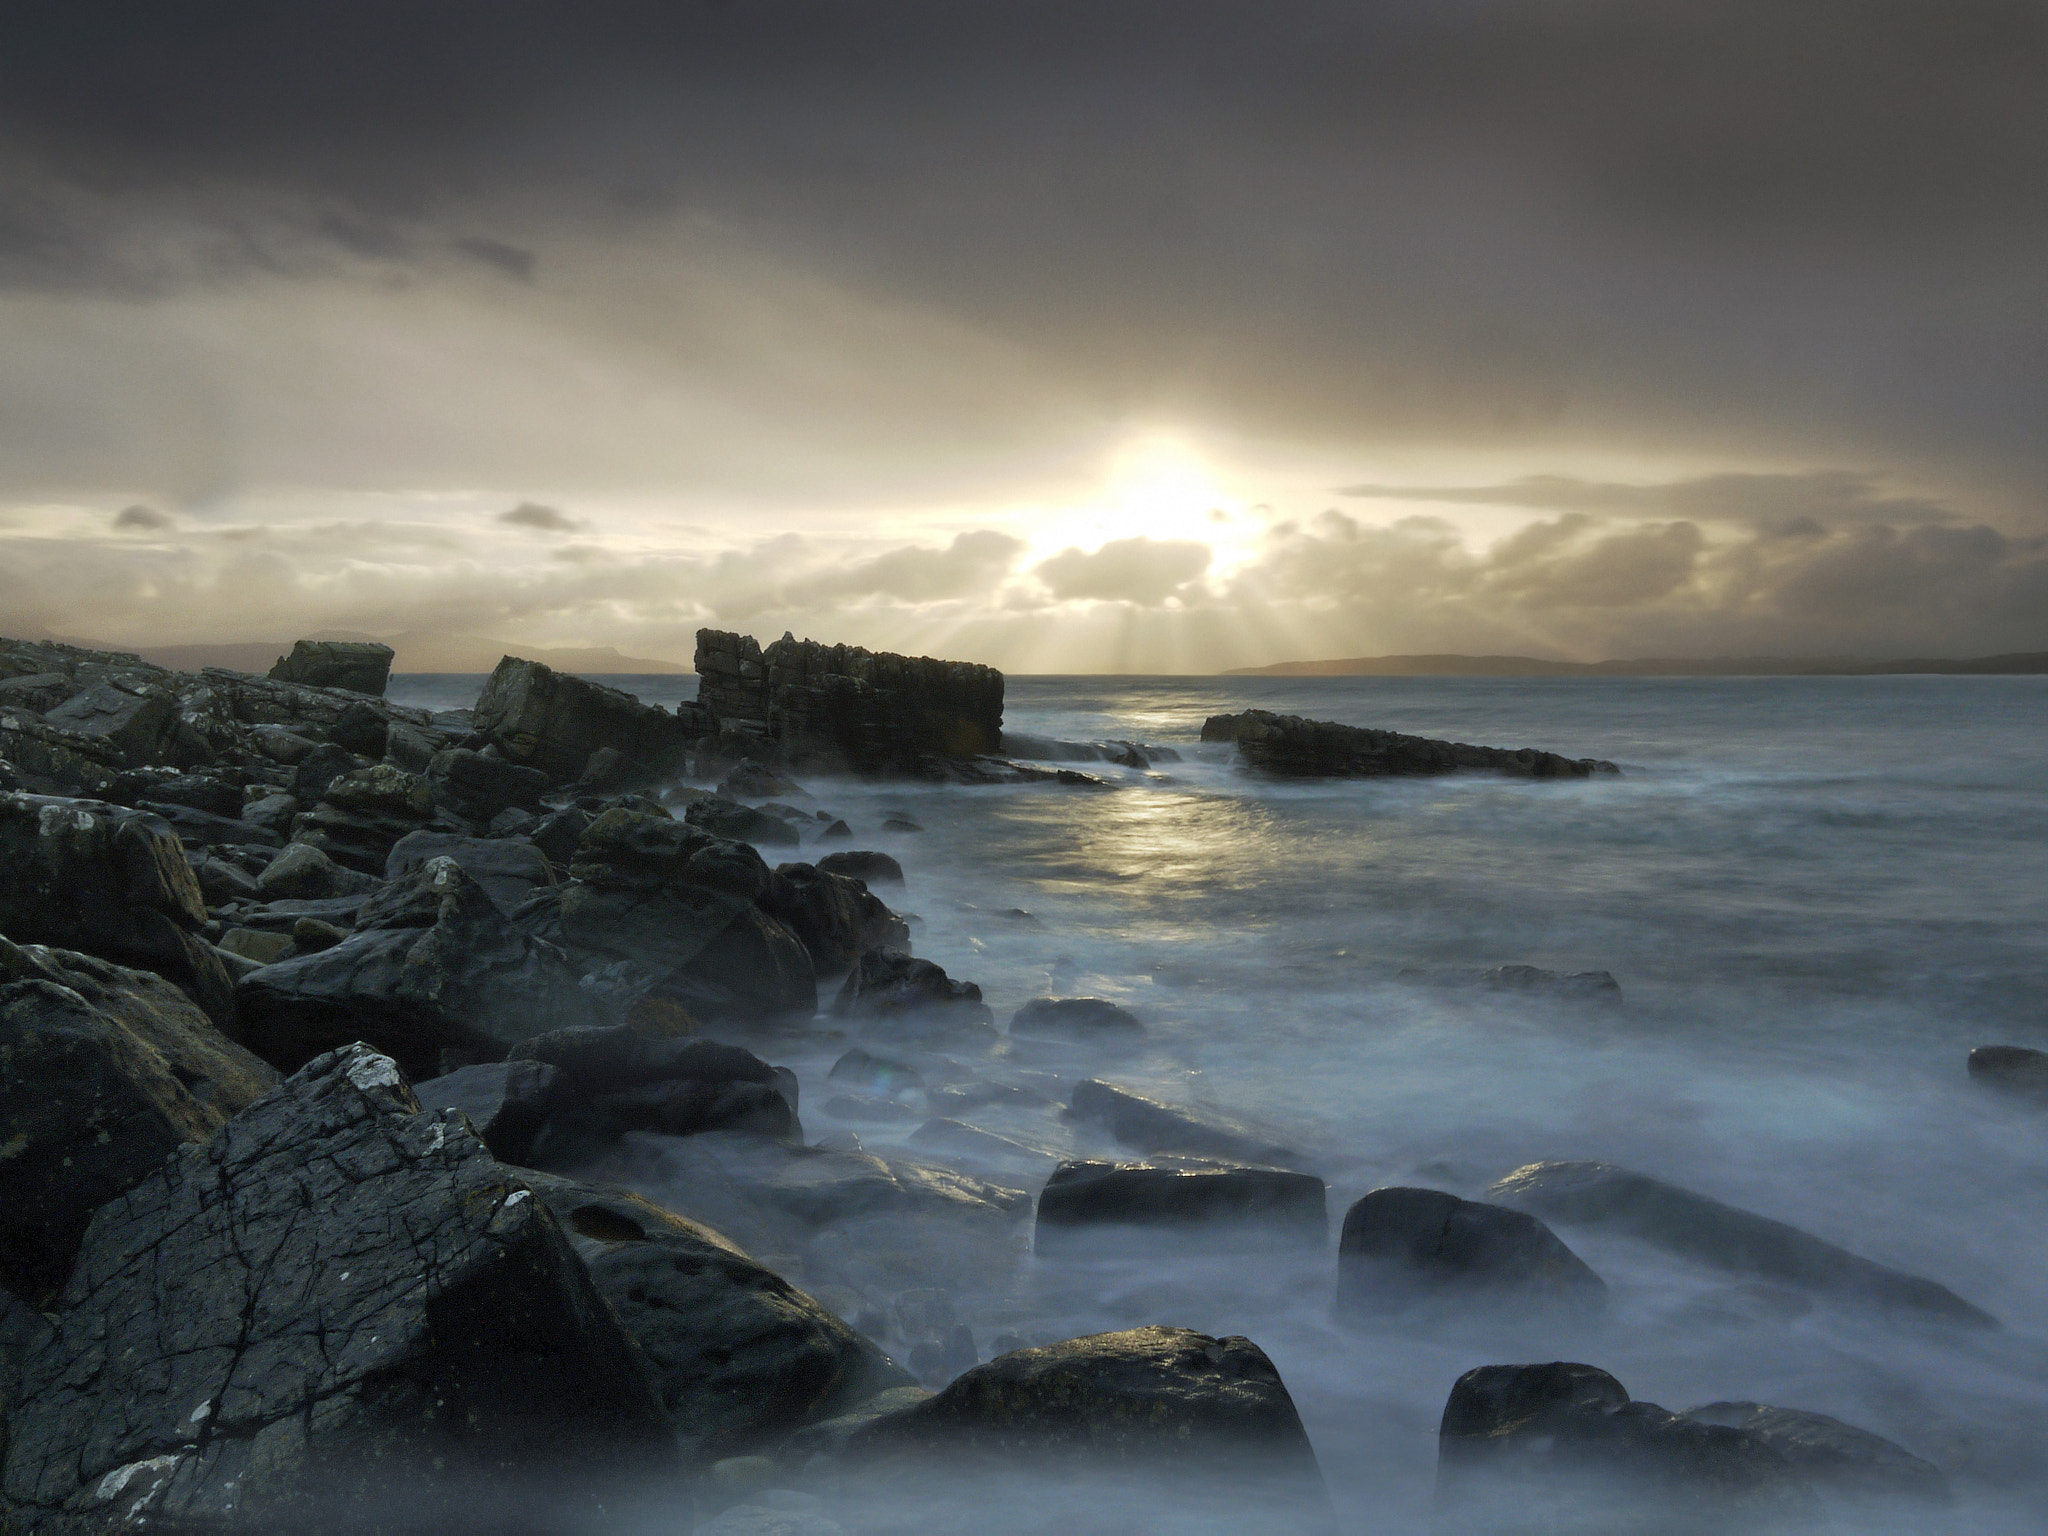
[(1073, 335)]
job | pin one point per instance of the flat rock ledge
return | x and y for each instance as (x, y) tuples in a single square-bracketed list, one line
[(1290, 746)]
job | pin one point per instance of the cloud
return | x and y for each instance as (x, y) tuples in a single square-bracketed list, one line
[(1143, 571), (510, 260), (141, 519), (972, 563), (531, 514)]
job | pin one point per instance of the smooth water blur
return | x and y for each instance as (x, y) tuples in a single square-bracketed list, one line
[(1816, 894)]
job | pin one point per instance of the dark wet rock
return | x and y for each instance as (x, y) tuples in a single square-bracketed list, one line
[(1292, 747), (478, 786), (863, 864), (900, 824), (320, 768), (843, 709), (282, 744), (947, 1137), (1554, 986), (257, 945), (409, 747), (103, 1072), (132, 717), (506, 1102), (1840, 1460), (337, 1310), (830, 1437), (750, 780), (359, 666), (432, 967), (909, 997), (1208, 1413), (362, 730), (1147, 1125), (198, 829), (558, 833), (222, 882), (362, 815), (37, 692), (2012, 1069), (1400, 1246), (85, 875), (284, 916), (310, 935), (1088, 1206), (621, 1078), (1075, 1018), (303, 872), (272, 812), (199, 791), (743, 1356), (875, 1074), (1562, 1447), (46, 759), (554, 722), (836, 831), (1601, 1195), (508, 871), (835, 916), (741, 823)]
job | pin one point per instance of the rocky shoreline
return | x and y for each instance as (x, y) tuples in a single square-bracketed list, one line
[(393, 1140)]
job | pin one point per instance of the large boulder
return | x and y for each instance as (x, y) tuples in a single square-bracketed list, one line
[(1400, 1246), (133, 717), (509, 869), (339, 1313), (902, 996), (1148, 1125), (1194, 1420), (363, 814), (479, 787), (360, 666), (743, 1357), (1091, 1207), (554, 722), (433, 967), (1848, 1466), (626, 1078), (1562, 1448), (835, 916), (1288, 746), (103, 1073), (1600, 1195), (85, 875)]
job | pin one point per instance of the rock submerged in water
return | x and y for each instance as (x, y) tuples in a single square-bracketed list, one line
[(1290, 746), (339, 1310), (910, 997), (1099, 1207), (1562, 1447), (2011, 1069), (1842, 1462), (1598, 1194), (1403, 1246)]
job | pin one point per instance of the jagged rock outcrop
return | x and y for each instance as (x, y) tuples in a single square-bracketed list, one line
[(841, 708), (1561, 1447), (1600, 1195), (1290, 746), (104, 1071), (551, 721), (86, 875), (359, 666), (433, 970), (339, 1312)]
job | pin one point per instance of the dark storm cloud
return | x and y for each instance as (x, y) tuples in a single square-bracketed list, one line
[(1474, 217), (531, 514)]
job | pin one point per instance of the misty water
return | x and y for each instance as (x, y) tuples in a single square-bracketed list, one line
[(1816, 894)]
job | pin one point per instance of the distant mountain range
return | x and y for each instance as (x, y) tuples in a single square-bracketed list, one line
[(1656, 666), (419, 651)]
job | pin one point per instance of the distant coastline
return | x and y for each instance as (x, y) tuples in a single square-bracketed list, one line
[(2012, 664)]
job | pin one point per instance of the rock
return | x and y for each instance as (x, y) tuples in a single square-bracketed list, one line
[(273, 813), (1150, 1126), (836, 831), (1094, 1206), (310, 935), (1400, 1246), (506, 1102), (622, 1078), (558, 833), (81, 874), (741, 823), (337, 1313), (478, 787), (433, 966), (320, 768), (1083, 1019), (410, 747), (1291, 747), (197, 829), (1561, 1447), (200, 792), (360, 666), (221, 882), (509, 871), (835, 916), (132, 718), (103, 1072), (863, 864), (1210, 1418), (1838, 1459), (303, 872), (743, 1357), (750, 780), (362, 815), (1600, 1195), (257, 945), (1532, 981), (2011, 1068), (554, 722), (876, 1074), (912, 997), (46, 759), (282, 744), (362, 730)]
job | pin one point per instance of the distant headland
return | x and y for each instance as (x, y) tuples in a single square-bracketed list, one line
[(1653, 666)]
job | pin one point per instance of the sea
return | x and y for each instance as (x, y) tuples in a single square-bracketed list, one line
[(1816, 895)]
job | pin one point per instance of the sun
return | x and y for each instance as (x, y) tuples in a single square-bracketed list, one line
[(1159, 486)]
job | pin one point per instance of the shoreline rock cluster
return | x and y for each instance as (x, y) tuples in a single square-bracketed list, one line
[(348, 1047)]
